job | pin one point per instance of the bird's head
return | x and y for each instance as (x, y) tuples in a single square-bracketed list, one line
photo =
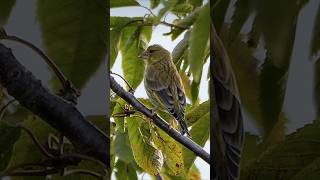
[(155, 53)]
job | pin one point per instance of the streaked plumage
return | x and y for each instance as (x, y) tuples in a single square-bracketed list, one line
[(227, 122), (163, 84)]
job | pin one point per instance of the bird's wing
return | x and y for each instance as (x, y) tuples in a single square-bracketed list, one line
[(168, 91), (228, 123)]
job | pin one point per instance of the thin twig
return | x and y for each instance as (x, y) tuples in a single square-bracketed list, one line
[(174, 25), (8, 171), (148, 10), (130, 88), (36, 141), (68, 87), (82, 171), (5, 107), (50, 63), (162, 124)]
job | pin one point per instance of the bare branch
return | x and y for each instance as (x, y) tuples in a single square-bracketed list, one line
[(60, 114)]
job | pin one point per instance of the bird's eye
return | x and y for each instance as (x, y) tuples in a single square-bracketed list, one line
[(152, 50)]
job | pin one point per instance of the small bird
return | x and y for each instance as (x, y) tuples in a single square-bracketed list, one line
[(163, 84), (228, 131)]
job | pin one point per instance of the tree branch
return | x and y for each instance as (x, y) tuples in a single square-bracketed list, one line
[(60, 114), (188, 143)]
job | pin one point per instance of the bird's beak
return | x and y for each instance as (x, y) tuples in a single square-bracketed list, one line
[(144, 55)]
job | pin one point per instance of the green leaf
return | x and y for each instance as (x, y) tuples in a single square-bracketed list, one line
[(25, 150), (194, 173), (168, 5), (186, 84), (75, 36), (197, 112), (243, 9), (5, 9), (310, 172), (195, 91), (196, 3), (180, 48), (114, 42), (185, 22), (121, 170), (154, 3), (171, 150), (132, 66), (199, 134), (99, 121), (122, 3), (118, 115), (287, 158), (315, 46), (122, 147), (8, 136), (198, 42), (251, 149), (219, 12), (125, 171), (120, 21), (146, 155)]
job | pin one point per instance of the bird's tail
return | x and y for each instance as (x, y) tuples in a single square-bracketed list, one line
[(183, 125)]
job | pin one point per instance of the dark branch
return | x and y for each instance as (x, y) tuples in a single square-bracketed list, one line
[(188, 143), (60, 114)]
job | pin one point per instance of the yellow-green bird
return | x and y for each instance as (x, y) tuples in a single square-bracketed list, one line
[(163, 84)]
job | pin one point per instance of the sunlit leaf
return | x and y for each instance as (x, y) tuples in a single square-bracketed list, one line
[(114, 41), (168, 5), (145, 154), (132, 66), (197, 112), (195, 87), (118, 115), (186, 84), (121, 3), (185, 23), (5, 10), (122, 21), (179, 49), (194, 173), (199, 134), (198, 41), (195, 3), (171, 150)]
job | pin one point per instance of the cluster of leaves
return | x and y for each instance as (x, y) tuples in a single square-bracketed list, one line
[(75, 37), (138, 146), (262, 84)]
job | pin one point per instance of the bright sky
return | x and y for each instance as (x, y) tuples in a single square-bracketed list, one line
[(165, 41)]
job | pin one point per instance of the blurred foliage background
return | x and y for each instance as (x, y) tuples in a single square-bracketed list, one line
[(73, 34), (265, 40), (138, 146)]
